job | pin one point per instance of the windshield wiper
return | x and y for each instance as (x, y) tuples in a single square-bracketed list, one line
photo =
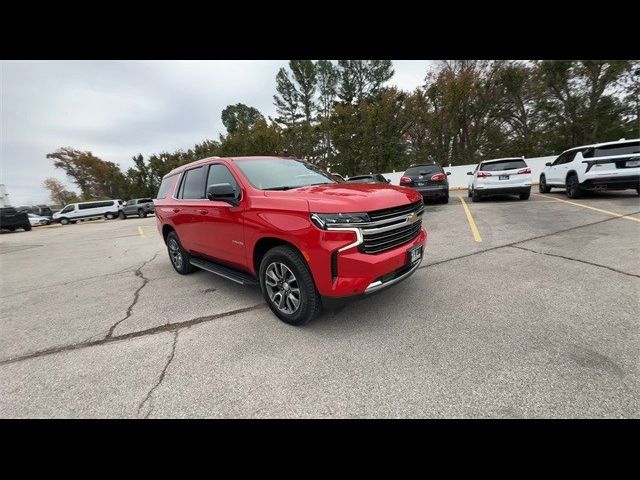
[(290, 187)]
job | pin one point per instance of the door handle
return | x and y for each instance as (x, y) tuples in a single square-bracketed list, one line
[(203, 212), (176, 210)]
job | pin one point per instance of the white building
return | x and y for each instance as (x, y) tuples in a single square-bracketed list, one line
[(4, 197)]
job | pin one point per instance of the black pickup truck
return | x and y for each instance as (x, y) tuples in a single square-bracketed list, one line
[(11, 219)]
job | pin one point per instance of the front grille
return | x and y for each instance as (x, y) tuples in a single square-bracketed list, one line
[(379, 242), (391, 227)]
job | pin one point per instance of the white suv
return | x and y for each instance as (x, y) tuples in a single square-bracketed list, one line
[(603, 166), (503, 176)]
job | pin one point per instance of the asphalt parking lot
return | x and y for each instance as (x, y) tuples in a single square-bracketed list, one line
[(520, 309)]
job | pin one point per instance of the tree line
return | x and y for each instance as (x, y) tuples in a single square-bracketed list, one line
[(343, 116)]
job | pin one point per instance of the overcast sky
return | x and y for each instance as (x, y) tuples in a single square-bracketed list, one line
[(117, 109)]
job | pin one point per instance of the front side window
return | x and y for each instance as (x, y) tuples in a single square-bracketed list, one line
[(219, 173), (192, 184), (282, 174)]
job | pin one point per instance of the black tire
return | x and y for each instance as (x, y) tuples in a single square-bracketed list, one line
[(444, 199), (469, 192), (27, 228), (64, 221), (309, 303), (142, 213), (573, 187), (638, 191), (178, 256), (525, 196), (122, 215), (475, 196), (109, 216), (543, 187), (11, 229)]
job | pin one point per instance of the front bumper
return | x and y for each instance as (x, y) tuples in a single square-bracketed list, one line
[(362, 274), (612, 183)]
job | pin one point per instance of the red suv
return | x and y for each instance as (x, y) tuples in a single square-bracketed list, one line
[(288, 226)]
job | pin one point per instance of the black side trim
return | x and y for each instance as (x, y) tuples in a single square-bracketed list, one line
[(224, 271)]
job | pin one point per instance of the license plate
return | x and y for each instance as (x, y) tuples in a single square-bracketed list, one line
[(503, 177), (420, 184), (633, 163), (415, 254)]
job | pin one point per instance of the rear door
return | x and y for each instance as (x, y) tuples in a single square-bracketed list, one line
[(504, 174), (557, 173), (190, 198)]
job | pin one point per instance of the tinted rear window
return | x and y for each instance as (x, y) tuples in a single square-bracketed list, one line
[(164, 187), (193, 184), (422, 170), (503, 165), (609, 150)]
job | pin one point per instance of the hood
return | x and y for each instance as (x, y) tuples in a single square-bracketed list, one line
[(351, 197)]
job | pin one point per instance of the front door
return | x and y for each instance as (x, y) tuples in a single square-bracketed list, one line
[(220, 235)]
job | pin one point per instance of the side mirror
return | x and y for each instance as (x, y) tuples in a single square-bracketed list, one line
[(223, 192), (448, 173), (388, 181), (469, 173), (548, 164)]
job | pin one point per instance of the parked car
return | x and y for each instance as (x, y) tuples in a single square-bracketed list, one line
[(37, 220), (40, 210), (11, 219), (375, 178), (429, 179), (603, 166), (137, 206), (287, 225), (502, 176), (88, 210)]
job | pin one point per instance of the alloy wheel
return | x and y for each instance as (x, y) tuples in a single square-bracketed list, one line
[(282, 287), (175, 254)]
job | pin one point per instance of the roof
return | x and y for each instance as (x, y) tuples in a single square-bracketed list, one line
[(604, 144), (501, 159)]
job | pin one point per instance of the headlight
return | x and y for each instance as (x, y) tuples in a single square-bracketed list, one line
[(325, 220)]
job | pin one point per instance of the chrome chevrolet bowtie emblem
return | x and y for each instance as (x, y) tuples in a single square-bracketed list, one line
[(412, 218)]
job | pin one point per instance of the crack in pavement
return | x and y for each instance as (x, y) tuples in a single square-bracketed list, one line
[(545, 235), (168, 327), (576, 260), (148, 398), (136, 295)]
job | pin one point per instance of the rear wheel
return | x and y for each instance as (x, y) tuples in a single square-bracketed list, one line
[(573, 187), (288, 287), (543, 187), (445, 199), (27, 228), (121, 215), (469, 192), (142, 213), (475, 196), (178, 255)]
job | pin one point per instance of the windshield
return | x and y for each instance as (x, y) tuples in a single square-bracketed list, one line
[(282, 174), (503, 165)]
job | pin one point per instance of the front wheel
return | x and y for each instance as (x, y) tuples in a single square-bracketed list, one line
[(469, 192), (109, 216), (543, 187), (475, 196), (64, 221), (288, 287), (27, 228), (573, 187), (121, 215)]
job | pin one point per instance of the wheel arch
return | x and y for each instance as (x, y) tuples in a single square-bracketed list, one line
[(263, 245), (166, 230)]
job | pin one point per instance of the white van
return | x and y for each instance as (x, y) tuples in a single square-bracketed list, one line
[(88, 210)]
